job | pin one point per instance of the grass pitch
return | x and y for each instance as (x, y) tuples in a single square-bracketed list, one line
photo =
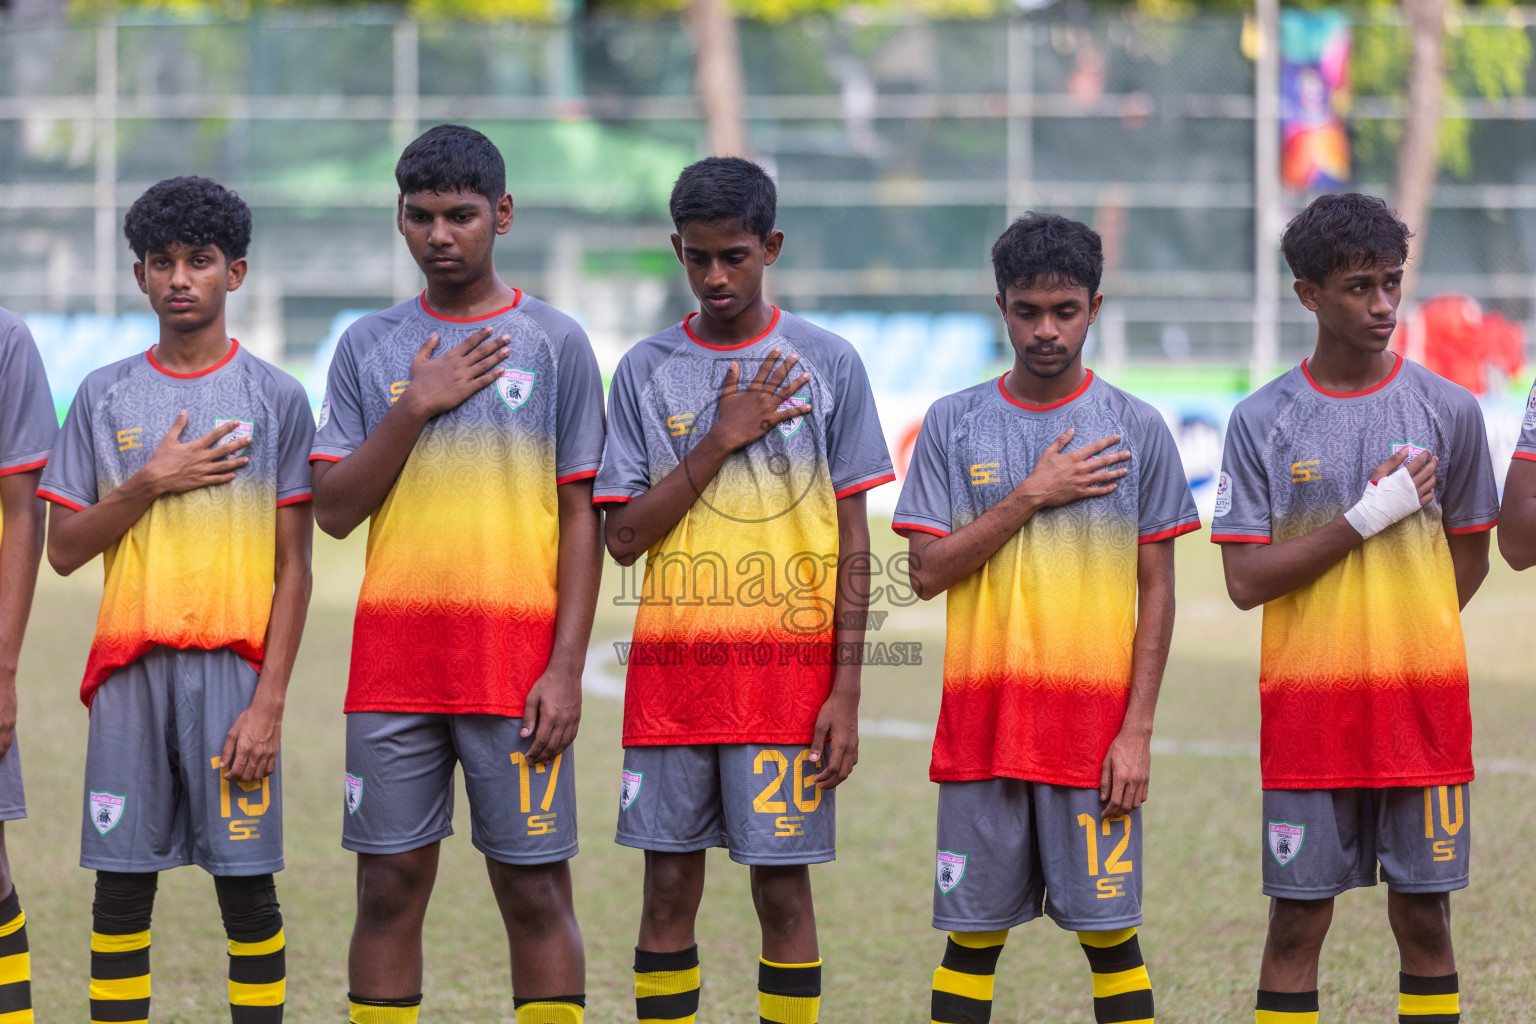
[(1205, 915)]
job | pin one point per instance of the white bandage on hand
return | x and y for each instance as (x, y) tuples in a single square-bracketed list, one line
[(1385, 502)]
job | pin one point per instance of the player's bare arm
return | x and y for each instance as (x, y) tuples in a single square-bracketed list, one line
[(1059, 478), (21, 548), (835, 743), (250, 749), (75, 538), (552, 709), (1258, 573), (1128, 764), (745, 415), (1469, 557), (349, 491), (1517, 516)]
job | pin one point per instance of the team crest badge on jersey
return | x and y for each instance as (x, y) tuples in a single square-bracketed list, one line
[(789, 426), (1285, 841), (1223, 494), (106, 810), (629, 787), (514, 386), (1414, 450), (354, 792), (951, 869), (242, 432)]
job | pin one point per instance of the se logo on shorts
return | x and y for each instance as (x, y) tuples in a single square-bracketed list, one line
[(629, 787), (1285, 841), (354, 792), (951, 869), (106, 811)]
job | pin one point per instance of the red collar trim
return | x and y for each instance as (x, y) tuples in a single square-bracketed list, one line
[(1087, 380), (740, 344), (469, 319), (1352, 394), (234, 346)]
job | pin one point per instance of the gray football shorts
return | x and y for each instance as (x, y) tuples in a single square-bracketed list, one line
[(1009, 848), (1321, 842), (756, 800), (153, 796), (13, 797), (398, 793)]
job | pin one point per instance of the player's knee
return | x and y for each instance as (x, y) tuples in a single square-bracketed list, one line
[(1423, 920), (249, 906), (782, 897), (538, 902), (125, 901), (1297, 928), (671, 888), (390, 889)]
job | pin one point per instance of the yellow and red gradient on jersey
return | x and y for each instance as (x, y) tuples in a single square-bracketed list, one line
[(457, 607), (1364, 672), (734, 637), (1037, 662), (195, 571)]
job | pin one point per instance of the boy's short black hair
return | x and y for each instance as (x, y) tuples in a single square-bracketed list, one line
[(452, 158), (1048, 247), (726, 188), (192, 211), (1343, 231)]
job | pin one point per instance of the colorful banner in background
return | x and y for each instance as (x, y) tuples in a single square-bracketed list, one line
[(1314, 99)]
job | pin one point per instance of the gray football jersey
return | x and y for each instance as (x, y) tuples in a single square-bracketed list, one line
[(457, 608), (28, 423), (1363, 672), (1025, 696), (1525, 447)]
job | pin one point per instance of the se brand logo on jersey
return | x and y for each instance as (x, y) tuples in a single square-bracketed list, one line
[(354, 792), (1285, 841), (397, 389), (1223, 495), (951, 868), (106, 810), (789, 426), (984, 473), (130, 438), (681, 424), (629, 787), (515, 386), (1306, 472)]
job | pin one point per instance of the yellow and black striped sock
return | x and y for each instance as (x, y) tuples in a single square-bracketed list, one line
[(1286, 1008), (667, 986), (1122, 991), (788, 993), (15, 963), (120, 947), (258, 978), (554, 1010), (382, 1011), (1420, 1000), (962, 984)]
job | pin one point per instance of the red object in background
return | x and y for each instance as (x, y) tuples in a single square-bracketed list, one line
[(1453, 336)]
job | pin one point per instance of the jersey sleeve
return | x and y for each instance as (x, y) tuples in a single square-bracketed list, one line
[(924, 505), (1525, 446), (1166, 507), (296, 438), (625, 473), (856, 454), (70, 477), (342, 427), (1470, 501), (578, 411), (1242, 514), (28, 423)]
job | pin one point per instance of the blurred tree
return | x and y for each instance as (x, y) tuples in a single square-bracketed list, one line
[(1417, 152)]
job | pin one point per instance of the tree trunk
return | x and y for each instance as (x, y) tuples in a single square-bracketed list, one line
[(1417, 155), (718, 77)]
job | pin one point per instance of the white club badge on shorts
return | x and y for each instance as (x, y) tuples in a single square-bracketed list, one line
[(1223, 495), (629, 787), (354, 792), (106, 810), (1285, 841), (515, 385), (951, 868)]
